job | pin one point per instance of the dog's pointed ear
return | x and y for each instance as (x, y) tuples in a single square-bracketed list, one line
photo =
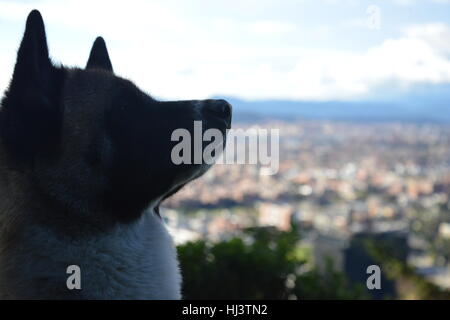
[(99, 57), (30, 114), (33, 64)]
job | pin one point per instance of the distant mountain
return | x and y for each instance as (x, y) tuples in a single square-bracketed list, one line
[(421, 104), (338, 110)]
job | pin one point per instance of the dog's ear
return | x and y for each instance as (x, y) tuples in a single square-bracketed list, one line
[(99, 58), (33, 66), (30, 112)]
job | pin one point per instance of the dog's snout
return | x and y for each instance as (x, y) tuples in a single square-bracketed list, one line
[(219, 109)]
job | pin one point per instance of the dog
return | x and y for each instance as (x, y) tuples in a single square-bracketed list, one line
[(85, 161)]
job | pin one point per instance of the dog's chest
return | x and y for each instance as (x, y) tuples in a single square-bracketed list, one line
[(136, 261)]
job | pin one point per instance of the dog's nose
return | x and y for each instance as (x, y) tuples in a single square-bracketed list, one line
[(219, 109)]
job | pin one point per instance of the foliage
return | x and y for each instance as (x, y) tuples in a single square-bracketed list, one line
[(409, 284), (329, 284), (263, 263)]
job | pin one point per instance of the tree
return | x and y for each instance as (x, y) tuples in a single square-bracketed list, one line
[(409, 284), (263, 263)]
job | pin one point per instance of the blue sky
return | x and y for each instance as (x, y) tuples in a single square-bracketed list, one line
[(251, 49)]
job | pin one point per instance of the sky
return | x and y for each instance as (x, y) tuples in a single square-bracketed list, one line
[(250, 49)]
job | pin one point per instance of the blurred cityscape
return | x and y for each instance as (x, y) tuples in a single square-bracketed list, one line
[(340, 182)]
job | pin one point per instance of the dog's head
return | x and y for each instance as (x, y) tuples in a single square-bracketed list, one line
[(90, 139)]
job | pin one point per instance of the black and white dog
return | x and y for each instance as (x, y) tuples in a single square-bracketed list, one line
[(85, 161)]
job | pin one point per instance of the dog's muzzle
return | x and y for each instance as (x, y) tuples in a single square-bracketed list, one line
[(217, 111)]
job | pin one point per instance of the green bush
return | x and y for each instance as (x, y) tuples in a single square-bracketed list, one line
[(261, 264)]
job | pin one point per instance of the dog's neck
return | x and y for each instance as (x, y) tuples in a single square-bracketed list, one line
[(125, 261)]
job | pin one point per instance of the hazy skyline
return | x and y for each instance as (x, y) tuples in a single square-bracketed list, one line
[(266, 49)]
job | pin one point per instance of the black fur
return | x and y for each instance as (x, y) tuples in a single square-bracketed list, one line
[(30, 117), (99, 57), (93, 141), (141, 129)]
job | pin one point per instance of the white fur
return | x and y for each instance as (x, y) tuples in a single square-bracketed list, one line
[(135, 261)]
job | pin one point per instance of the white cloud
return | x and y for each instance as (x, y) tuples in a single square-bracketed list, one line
[(174, 56), (269, 27), (420, 56)]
